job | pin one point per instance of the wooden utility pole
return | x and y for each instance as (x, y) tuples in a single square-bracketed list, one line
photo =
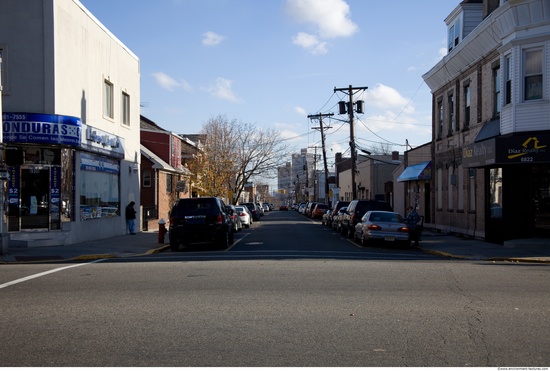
[(350, 111), (321, 128)]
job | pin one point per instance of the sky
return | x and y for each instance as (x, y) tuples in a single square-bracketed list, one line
[(272, 63)]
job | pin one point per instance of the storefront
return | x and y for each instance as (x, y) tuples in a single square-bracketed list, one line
[(517, 184), (60, 171)]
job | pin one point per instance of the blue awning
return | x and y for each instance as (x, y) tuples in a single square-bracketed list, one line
[(421, 171), (489, 130)]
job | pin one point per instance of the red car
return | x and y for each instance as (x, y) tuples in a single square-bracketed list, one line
[(283, 208), (319, 211)]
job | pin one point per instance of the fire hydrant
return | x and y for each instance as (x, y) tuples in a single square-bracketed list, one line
[(162, 230)]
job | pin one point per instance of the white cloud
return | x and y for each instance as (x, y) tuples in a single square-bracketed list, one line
[(300, 111), (383, 96), (330, 19), (211, 38), (167, 82), (222, 89), (311, 43)]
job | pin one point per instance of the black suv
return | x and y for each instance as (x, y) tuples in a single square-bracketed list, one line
[(254, 209), (356, 210), (200, 220)]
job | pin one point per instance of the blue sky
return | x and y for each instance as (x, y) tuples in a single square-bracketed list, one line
[(273, 62)]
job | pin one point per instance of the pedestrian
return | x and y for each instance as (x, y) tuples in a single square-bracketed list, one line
[(412, 220), (131, 217)]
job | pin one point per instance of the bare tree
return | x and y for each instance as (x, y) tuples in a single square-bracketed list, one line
[(235, 153)]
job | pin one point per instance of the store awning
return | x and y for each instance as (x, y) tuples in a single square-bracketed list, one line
[(489, 130), (421, 171)]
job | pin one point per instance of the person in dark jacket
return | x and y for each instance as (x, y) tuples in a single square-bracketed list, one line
[(412, 220), (131, 217)]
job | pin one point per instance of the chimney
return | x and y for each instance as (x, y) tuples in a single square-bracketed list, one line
[(395, 156)]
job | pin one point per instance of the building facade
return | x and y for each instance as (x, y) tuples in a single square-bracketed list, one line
[(491, 121), (71, 93)]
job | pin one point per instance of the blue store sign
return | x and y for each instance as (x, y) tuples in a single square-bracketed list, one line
[(41, 128)]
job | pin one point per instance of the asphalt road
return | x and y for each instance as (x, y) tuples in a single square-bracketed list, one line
[(288, 293)]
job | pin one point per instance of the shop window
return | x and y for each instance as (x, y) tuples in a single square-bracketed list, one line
[(533, 74), (495, 193), (439, 189), (99, 187), (472, 193)]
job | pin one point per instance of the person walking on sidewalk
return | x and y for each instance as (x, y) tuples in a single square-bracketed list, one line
[(131, 217), (412, 220)]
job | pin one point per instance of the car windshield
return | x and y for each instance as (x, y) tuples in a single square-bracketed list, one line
[(386, 217), (195, 206)]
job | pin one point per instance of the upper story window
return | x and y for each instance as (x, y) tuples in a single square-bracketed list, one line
[(125, 108), (146, 179), (507, 80), (496, 90), (467, 101), (439, 119), (451, 101), (532, 74), (108, 110), (454, 35), (168, 183)]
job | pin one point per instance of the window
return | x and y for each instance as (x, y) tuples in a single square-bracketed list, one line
[(4, 86), (168, 183), (440, 119), (108, 99), (125, 109), (533, 74), (451, 102), (451, 37), (146, 179), (472, 176), (467, 106), (99, 187), (496, 90), (508, 80), (495, 193)]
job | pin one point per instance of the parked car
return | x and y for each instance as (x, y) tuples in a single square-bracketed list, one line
[(337, 219), (253, 209), (283, 207), (319, 210), (356, 210), (302, 208), (260, 209), (382, 227), (336, 208), (237, 224), (266, 207), (309, 208), (326, 218), (244, 215), (200, 220)]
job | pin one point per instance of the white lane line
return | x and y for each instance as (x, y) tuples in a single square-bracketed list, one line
[(11, 283)]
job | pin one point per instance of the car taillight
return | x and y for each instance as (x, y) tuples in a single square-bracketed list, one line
[(374, 227), (242, 214), (220, 219), (171, 220), (403, 229)]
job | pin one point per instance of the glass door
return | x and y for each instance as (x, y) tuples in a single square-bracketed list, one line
[(35, 197)]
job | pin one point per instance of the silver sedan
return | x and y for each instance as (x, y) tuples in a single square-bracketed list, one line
[(383, 227)]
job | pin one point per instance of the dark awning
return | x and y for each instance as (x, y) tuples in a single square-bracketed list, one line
[(489, 130), (421, 171)]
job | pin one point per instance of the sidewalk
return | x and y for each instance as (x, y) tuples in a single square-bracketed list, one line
[(142, 243), (146, 243)]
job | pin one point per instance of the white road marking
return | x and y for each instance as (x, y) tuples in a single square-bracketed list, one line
[(11, 283)]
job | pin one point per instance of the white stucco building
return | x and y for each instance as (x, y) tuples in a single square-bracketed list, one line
[(71, 123)]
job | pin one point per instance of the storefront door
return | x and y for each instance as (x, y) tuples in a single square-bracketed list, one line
[(35, 196)]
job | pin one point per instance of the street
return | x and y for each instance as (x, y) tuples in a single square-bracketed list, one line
[(289, 292)]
